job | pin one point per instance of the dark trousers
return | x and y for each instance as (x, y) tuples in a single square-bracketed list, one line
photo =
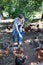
[(19, 62)]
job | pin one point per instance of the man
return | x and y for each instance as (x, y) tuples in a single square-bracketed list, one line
[(17, 28), (19, 56)]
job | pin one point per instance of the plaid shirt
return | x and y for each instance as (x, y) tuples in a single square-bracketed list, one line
[(19, 24)]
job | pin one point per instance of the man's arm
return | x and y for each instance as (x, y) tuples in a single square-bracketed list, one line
[(18, 30), (16, 27)]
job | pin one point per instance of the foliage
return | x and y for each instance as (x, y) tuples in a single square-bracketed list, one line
[(26, 7)]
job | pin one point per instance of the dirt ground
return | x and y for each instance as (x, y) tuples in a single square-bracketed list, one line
[(28, 48)]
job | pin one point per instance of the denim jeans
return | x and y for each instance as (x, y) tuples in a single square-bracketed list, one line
[(15, 35)]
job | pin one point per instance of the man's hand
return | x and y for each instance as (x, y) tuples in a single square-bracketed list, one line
[(26, 57)]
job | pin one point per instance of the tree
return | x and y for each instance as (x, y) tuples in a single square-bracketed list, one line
[(26, 7)]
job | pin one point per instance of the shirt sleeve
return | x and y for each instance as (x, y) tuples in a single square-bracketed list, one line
[(15, 24)]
